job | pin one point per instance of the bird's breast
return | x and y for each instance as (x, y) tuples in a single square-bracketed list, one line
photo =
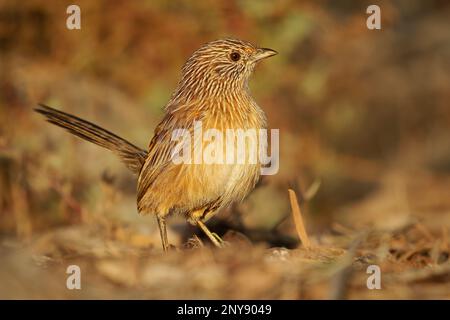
[(231, 144)]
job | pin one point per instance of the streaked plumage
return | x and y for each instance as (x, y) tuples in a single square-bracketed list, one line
[(213, 89)]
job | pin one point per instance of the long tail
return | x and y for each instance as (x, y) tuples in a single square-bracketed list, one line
[(132, 156)]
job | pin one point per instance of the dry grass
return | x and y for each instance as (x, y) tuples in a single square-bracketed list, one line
[(298, 220)]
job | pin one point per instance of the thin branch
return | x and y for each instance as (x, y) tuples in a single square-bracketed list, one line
[(298, 219)]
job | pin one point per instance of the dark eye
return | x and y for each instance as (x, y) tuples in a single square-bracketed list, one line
[(235, 56)]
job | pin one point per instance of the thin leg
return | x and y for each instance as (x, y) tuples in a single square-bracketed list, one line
[(218, 242), (163, 233)]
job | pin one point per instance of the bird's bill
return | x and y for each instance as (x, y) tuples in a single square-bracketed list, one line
[(263, 53)]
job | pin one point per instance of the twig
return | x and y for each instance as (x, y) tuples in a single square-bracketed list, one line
[(341, 283), (298, 219)]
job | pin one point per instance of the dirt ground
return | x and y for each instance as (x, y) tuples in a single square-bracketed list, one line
[(119, 262)]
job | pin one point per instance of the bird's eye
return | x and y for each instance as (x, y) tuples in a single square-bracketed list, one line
[(235, 56)]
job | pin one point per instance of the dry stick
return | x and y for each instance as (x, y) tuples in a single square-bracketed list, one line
[(298, 219), (341, 281), (424, 230), (445, 242)]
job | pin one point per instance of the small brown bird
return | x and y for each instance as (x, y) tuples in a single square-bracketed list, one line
[(213, 91)]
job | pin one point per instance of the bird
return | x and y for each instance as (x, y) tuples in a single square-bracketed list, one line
[(213, 90)]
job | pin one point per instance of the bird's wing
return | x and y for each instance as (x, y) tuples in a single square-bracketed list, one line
[(162, 146)]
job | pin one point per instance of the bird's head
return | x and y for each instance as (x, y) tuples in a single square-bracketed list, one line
[(221, 65)]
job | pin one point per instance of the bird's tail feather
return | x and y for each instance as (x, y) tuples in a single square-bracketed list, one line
[(132, 156)]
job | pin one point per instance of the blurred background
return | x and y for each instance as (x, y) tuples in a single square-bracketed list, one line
[(364, 123)]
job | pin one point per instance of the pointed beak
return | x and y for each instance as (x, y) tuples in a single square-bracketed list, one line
[(263, 53)]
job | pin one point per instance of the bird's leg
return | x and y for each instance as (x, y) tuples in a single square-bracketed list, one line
[(163, 232), (206, 217), (218, 242), (199, 217)]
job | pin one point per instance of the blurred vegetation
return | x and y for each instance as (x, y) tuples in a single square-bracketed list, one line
[(363, 115)]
